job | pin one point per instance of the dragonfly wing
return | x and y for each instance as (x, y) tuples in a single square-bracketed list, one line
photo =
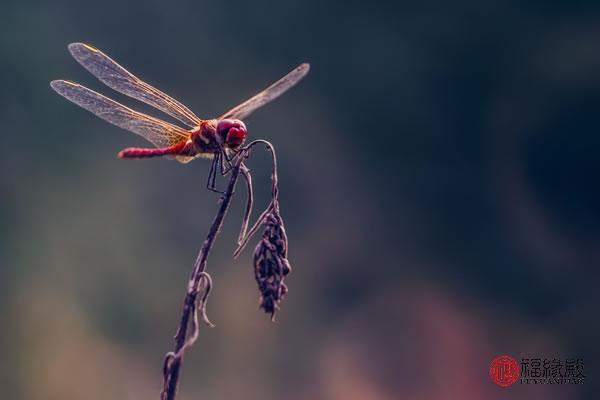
[(187, 159), (160, 133), (118, 78), (243, 110)]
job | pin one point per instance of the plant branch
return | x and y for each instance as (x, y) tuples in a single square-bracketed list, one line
[(245, 234), (270, 263), (174, 359)]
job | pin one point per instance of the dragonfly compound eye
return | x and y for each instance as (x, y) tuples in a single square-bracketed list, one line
[(233, 132)]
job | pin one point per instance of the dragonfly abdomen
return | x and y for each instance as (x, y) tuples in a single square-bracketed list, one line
[(139, 152)]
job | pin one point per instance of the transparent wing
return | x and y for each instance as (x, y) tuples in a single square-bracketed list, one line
[(269, 94), (118, 78), (160, 133)]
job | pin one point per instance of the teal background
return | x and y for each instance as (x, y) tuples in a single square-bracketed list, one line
[(439, 173)]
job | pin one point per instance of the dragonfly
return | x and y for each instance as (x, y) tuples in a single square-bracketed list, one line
[(207, 138)]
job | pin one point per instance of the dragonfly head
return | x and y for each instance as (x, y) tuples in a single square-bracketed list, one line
[(232, 131)]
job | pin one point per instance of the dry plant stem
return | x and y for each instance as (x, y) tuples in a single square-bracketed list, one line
[(245, 234), (249, 202), (174, 359), (271, 264), (199, 278)]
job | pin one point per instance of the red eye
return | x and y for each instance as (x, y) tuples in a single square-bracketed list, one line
[(235, 137), (233, 132)]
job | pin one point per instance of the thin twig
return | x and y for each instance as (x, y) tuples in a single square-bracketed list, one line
[(249, 202), (270, 259), (174, 359), (245, 234)]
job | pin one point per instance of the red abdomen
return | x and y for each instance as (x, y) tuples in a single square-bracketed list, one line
[(138, 152)]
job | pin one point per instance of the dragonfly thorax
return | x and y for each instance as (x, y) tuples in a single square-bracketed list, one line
[(205, 137), (212, 135)]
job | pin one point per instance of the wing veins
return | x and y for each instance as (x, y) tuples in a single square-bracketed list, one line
[(246, 108), (158, 132), (118, 78)]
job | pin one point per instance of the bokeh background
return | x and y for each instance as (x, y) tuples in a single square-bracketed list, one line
[(439, 182)]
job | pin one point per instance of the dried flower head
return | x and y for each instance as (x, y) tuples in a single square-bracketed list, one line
[(271, 265)]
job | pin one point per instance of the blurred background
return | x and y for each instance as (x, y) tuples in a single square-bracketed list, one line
[(438, 171)]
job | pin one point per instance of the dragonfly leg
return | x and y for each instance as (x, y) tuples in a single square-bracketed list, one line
[(224, 158), (211, 184)]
